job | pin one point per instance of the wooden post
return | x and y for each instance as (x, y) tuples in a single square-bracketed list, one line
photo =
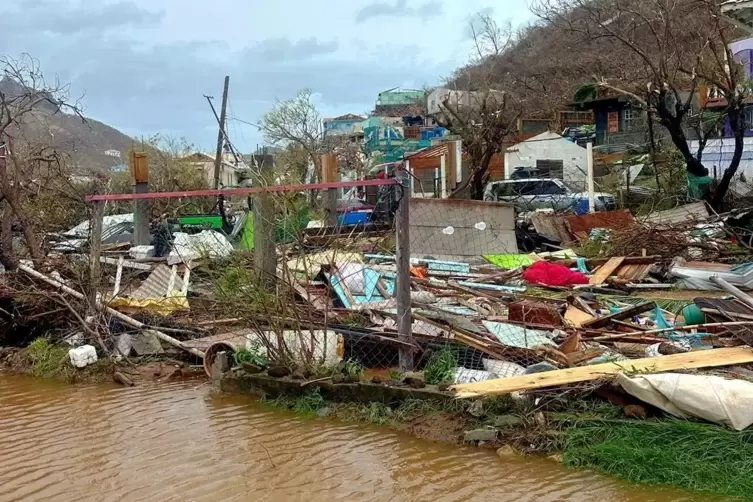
[(221, 135), (140, 181), (590, 173), (95, 251), (265, 247), (330, 175), (403, 280)]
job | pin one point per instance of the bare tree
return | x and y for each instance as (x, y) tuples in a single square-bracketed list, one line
[(24, 163), (474, 109), (296, 123), (668, 50)]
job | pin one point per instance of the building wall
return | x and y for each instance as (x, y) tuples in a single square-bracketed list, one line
[(550, 146), (717, 156), (341, 127)]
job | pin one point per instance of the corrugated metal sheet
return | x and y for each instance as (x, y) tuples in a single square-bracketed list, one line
[(155, 286), (580, 226), (432, 151), (682, 214), (552, 226)]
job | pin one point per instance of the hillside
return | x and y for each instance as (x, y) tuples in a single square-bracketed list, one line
[(83, 141)]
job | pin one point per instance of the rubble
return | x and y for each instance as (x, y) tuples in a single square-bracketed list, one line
[(482, 318)]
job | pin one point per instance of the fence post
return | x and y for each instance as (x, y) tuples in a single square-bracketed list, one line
[(403, 280), (95, 250), (140, 181), (265, 246), (330, 175)]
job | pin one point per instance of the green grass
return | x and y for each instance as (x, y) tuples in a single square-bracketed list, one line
[(700, 457), (371, 413), (441, 367), (51, 361), (47, 360)]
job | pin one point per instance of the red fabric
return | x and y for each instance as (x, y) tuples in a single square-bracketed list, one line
[(551, 274)]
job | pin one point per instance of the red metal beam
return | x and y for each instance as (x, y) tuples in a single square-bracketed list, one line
[(240, 191)]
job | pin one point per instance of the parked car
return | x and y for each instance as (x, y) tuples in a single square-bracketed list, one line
[(536, 193)]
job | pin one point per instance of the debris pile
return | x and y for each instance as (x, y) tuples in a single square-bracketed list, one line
[(485, 320)]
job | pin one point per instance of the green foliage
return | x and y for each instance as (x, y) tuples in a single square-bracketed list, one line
[(586, 92), (306, 404), (697, 456), (441, 367), (47, 360), (353, 369), (250, 356), (395, 375)]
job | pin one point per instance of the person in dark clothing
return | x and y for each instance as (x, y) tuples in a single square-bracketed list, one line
[(163, 240)]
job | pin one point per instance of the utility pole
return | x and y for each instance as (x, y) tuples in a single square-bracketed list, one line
[(221, 135)]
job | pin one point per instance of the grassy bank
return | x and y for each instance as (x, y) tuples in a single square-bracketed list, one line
[(443, 421), (696, 456), (700, 457), (42, 359)]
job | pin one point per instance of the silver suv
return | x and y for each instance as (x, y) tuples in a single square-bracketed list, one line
[(536, 193)]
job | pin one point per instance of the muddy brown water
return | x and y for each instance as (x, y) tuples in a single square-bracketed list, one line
[(183, 441)]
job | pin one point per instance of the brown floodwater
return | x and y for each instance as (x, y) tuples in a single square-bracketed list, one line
[(183, 441)]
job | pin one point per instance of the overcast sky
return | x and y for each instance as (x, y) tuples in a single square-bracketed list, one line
[(145, 64)]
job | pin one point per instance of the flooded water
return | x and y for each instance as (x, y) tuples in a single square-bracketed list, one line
[(183, 442)]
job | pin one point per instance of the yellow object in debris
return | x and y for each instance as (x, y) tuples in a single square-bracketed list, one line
[(161, 306)]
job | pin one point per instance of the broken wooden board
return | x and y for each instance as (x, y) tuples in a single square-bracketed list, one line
[(606, 270), (626, 313), (576, 317), (700, 359)]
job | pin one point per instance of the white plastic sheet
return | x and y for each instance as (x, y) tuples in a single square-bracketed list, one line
[(205, 244), (712, 398)]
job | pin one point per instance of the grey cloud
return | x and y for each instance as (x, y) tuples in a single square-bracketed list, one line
[(399, 9), (282, 49), (90, 15), (149, 89)]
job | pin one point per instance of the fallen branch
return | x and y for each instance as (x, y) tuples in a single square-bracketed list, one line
[(126, 319)]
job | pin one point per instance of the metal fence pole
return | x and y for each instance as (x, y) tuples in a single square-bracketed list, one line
[(403, 279)]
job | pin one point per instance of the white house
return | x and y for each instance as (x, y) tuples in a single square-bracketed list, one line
[(204, 162), (458, 99), (552, 156)]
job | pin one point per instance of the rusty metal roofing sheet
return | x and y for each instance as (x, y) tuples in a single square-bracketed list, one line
[(580, 226), (683, 214)]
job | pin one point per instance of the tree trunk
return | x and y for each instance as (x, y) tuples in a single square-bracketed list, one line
[(480, 175), (7, 256), (677, 134), (738, 129), (652, 147)]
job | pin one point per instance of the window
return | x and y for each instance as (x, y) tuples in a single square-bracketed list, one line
[(550, 168), (629, 114), (749, 118), (547, 188)]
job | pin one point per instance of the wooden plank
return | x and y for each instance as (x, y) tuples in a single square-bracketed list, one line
[(700, 359), (606, 270), (619, 316), (576, 317)]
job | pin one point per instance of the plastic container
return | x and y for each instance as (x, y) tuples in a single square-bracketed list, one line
[(83, 356)]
